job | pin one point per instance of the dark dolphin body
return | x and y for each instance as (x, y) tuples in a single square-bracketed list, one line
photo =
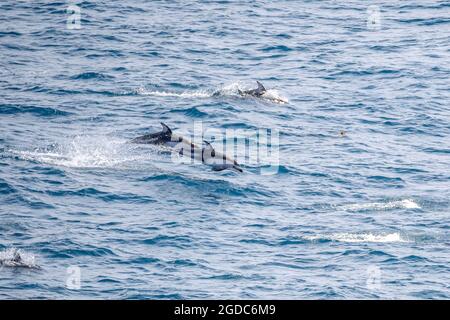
[(206, 154), (161, 137), (258, 92)]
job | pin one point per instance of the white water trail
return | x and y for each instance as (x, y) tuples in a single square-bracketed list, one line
[(183, 94), (379, 206), (360, 237)]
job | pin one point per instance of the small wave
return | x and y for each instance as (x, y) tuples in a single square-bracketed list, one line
[(191, 112), (10, 34), (6, 188), (35, 110), (399, 204), (281, 48), (359, 237), (17, 258), (91, 75), (169, 241)]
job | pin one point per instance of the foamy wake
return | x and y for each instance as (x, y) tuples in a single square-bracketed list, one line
[(398, 204), (8, 258), (183, 94), (360, 237), (87, 152)]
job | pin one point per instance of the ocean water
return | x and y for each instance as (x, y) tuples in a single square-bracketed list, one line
[(361, 215)]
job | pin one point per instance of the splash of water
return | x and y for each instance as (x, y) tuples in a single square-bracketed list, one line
[(275, 96), (183, 94), (89, 152), (8, 258)]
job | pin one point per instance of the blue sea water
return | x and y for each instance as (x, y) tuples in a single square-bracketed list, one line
[(359, 216)]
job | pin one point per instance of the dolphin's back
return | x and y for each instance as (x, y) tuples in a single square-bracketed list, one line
[(148, 138), (155, 138)]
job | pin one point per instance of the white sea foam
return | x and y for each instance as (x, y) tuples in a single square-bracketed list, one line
[(360, 237), (231, 89), (184, 94), (397, 204)]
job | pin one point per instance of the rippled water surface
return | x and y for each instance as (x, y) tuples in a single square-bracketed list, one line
[(363, 215)]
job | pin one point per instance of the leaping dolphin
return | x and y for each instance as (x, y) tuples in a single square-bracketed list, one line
[(258, 92), (206, 154)]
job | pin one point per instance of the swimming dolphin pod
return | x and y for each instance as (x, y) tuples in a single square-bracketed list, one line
[(205, 153)]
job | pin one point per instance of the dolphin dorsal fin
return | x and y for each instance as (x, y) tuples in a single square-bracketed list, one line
[(209, 149), (260, 87), (166, 129), (16, 256)]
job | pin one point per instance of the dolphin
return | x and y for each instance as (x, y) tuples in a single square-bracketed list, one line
[(16, 261), (258, 92), (205, 153), (261, 92)]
